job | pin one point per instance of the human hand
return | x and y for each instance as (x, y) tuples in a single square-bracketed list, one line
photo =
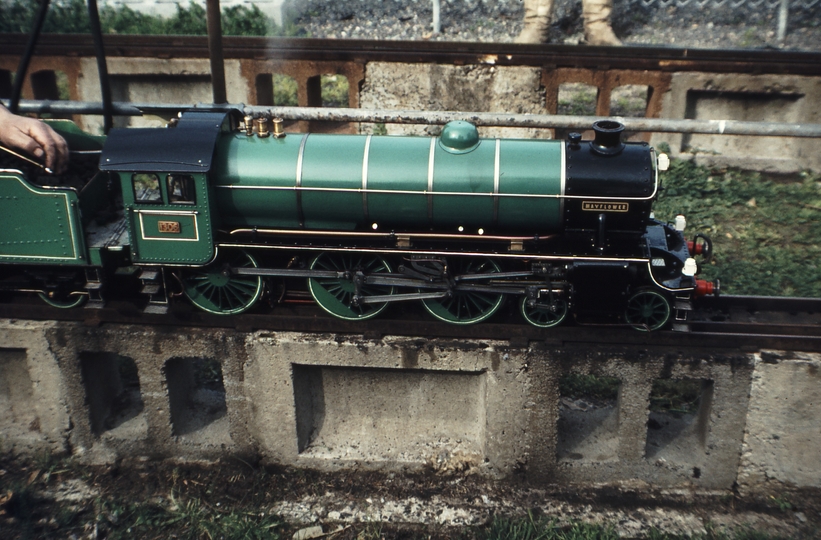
[(35, 138)]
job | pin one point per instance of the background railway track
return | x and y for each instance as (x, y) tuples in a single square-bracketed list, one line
[(745, 323), (458, 53)]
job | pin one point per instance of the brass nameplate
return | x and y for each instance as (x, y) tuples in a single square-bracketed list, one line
[(597, 206), (169, 227)]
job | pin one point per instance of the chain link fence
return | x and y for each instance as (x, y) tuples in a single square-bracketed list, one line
[(783, 6), (771, 4)]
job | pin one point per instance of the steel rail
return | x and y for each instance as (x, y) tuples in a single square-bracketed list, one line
[(657, 125), (411, 321)]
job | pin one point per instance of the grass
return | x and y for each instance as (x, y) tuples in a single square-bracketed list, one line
[(766, 230)]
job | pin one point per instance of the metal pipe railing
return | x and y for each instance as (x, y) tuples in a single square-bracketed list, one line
[(654, 125)]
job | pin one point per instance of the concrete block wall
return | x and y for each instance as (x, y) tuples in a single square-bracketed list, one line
[(480, 87), (398, 403), (751, 98), (680, 95)]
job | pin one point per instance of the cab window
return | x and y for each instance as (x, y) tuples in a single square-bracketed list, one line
[(180, 189), (146, 188)]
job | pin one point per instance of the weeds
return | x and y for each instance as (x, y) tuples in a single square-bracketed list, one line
[(675, 395), (539, 528), (575, 386), (577, 99), (766, 233)]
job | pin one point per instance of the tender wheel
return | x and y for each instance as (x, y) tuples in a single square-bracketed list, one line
[(64, 302), (215, 290), (63, 290), (335, 295), (467, 307), (647, 310), (544, 317)]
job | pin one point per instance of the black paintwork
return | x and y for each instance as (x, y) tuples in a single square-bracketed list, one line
[(186, 148)]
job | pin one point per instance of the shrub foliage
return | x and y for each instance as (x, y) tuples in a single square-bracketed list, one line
[(71, 17)]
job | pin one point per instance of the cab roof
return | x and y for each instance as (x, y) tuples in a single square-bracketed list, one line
[(186, 148)]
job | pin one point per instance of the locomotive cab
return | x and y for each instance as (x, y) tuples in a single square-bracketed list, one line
[(165, 186)]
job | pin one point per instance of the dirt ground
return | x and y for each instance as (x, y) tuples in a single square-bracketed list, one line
[(60, 498)]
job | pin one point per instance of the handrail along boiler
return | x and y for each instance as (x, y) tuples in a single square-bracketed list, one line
[(226, 209)]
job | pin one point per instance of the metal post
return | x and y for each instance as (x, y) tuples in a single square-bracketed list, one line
[(782, 21), (102, 66), (437, 24), (215, 51), (23, 67)]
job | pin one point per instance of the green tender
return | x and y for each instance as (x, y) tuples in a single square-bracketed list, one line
[(37, 225)]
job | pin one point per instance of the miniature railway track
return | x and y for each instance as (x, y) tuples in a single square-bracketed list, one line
[(744, 323), (459, 53)]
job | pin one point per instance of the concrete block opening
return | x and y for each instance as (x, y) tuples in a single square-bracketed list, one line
[(679, 420), (113, 397), (630, 100), (18, 419), (588, 418), (335, 91), (276, 89), (196, 397), (402, 415), (576, 99), (50, 84)]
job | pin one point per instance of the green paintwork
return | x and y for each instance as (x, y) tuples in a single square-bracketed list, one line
[(647, 310), (384, 174), (335, 295), (330, 162), (248, 162), (77, 139), (541, 316), (193, 245), (459, 137), (471, 172), (255, 181), (467, 307), (37, 225), (530, 167), (212, 290)]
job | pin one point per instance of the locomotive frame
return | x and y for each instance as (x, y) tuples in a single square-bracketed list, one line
[(564, 227)]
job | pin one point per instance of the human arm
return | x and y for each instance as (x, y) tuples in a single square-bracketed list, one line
[(35, 138)]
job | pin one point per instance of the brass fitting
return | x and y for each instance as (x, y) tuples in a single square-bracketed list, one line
[(261, 126), (279, 131), (249, 125)]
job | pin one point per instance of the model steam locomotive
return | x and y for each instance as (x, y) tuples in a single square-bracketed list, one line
[(226, 209)]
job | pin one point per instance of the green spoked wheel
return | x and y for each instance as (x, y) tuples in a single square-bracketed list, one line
[(467, 307), (64, 302), (647, 310), (216, 290), (544, 317), (335, 294)]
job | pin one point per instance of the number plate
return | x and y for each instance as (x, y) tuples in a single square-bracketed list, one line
[(604, 206), (169, 227)]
